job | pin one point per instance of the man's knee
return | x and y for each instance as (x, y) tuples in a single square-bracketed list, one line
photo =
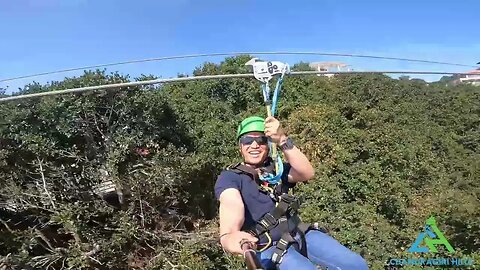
[(294, 260), (355, 261), (324, 249)]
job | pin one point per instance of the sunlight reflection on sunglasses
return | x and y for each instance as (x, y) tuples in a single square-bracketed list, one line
[(247, 140)]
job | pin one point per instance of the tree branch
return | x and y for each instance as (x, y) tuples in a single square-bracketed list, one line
[(141, 213), (96, 125), (45, 183), (45, 239), (6, 225)]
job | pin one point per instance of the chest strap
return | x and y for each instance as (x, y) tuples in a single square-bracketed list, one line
[(273, 191), (287, 207)]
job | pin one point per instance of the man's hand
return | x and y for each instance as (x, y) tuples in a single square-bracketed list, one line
[(301, 168), (273, 130), (231, 242)]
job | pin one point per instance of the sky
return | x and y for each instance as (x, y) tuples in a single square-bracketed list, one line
[(45, 35)]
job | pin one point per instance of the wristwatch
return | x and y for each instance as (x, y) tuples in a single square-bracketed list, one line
[(287, 145)]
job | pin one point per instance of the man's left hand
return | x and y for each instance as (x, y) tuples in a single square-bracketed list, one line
[(273, 130)]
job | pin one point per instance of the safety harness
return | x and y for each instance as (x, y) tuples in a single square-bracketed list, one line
[(284, 214)]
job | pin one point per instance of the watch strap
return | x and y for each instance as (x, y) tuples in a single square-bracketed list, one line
[(287, 145)]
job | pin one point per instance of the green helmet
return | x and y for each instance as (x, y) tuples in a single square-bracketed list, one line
[(250, 124)]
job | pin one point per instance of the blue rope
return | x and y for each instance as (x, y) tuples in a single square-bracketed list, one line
[(276, 93), (271, 178), (266, 92)]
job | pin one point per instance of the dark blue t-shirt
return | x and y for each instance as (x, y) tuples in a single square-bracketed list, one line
[(256, 203)]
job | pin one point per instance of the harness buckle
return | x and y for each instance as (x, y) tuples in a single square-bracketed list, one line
[(287, 198), (292, 202), (268, 221), (281, 248)]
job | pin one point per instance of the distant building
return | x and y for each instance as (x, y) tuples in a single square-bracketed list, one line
[(473, 77), (329, 66)]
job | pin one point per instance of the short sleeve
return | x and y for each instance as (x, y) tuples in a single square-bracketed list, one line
[(227, 179), (286, 171)]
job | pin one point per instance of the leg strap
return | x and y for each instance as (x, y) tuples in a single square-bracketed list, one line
[(286, 240), (302, 230), (281, 248)]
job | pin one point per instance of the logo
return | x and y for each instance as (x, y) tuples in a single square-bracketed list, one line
[(431, 240), (431, 237)]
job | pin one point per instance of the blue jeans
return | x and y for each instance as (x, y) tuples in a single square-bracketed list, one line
[(322, 250)]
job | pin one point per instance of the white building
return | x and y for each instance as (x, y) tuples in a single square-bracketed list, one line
[(329, 66), (473, 77)]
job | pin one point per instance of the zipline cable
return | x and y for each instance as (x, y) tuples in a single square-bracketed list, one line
[(208, 77), (231, 54)]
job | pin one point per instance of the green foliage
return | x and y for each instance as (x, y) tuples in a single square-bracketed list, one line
[(302, 66), (388, 154)]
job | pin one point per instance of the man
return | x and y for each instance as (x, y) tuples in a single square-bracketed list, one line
[(242, 203)]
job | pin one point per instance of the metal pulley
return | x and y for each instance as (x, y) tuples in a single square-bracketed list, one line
[(264, 71)]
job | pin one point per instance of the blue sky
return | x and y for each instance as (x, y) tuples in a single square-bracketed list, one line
[(45, 35)]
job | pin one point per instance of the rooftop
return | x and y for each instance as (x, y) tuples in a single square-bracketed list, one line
[(327, 64), (476, 71)]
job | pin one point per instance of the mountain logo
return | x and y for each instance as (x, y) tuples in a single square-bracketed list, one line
[(431, 237)]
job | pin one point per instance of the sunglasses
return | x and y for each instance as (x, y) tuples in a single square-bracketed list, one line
[(247, 140)]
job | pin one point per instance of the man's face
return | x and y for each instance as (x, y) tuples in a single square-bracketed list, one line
[(254, 148)]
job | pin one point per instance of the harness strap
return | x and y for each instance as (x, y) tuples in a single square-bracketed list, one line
[(287, 240), (302, 230), (286, 206), (286, 210), (240, 168), (281, 248)]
